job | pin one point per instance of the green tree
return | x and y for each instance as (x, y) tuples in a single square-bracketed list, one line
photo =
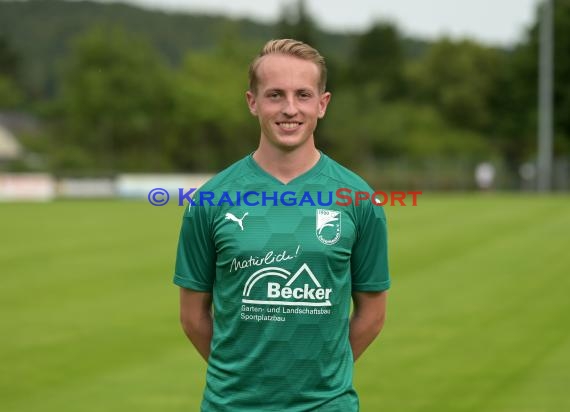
[(523, 76), (460, 79), (394, 130), (11, 94), (378, 61), (9, 59), (296, 23), (562, 70), (115, 103), (515, 100), (210, 116)]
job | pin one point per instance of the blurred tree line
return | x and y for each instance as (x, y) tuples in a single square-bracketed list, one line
[(124, 89)]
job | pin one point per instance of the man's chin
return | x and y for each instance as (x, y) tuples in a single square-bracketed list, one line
[(290, 145)]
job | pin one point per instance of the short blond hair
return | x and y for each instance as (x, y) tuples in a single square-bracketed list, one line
[(289, 47)]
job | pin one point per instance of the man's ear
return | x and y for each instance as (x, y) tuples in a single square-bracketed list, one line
[(323, 103), (251, 103)]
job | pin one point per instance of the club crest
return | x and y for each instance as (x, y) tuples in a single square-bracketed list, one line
[(328, 226)]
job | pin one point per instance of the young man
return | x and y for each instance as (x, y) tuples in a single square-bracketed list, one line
[(268, 262)]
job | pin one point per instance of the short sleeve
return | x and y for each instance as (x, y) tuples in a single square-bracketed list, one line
[(195, 258), (369, 261)]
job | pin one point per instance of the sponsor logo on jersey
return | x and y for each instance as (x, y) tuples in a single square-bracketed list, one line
[(233, 218), (277, 286), (328, 226)]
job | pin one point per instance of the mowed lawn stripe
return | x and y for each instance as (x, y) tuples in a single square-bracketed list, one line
[(459, 329), (476, 318), (98, 304)]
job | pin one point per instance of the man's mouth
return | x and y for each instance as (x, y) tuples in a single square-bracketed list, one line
[(289, 125)]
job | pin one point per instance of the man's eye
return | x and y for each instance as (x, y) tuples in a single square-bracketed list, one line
[(304, 95), (274, 95)]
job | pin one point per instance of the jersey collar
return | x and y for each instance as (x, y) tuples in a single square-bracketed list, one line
[(313, 171)]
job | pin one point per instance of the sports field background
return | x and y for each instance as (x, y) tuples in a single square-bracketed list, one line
[(478, 320)]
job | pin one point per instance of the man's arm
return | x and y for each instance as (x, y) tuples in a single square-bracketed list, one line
[(196, 319), (368, 315)]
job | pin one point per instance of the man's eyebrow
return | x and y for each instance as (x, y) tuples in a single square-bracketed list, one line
[(300, 89), (273, 90)]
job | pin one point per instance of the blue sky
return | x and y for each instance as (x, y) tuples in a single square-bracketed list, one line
[(489, 21)]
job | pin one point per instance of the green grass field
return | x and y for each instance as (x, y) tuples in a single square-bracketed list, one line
[(479, 312)]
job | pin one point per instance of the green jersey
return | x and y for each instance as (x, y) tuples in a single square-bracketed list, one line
[(281, 261)]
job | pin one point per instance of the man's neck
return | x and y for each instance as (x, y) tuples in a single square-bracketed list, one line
[(286, 165)]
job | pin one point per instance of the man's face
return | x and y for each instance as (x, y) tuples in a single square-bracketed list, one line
[(287, 102)]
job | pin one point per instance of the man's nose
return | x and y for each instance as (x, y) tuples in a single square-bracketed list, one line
[(289, 107)]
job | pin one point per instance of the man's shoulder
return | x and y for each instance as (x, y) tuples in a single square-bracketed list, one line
[(343, 175), (228, 176)]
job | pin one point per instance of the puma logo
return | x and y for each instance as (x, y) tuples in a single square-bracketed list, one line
[(231, 216)]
